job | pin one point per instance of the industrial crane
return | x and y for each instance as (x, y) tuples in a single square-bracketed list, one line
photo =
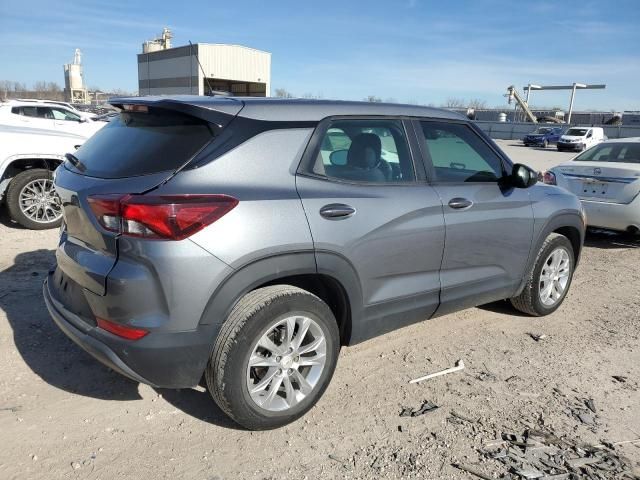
[(514, 95)]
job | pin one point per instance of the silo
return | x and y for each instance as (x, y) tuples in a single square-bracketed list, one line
[(74, 88), (73, 77)]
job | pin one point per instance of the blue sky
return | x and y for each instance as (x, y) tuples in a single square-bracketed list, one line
[(408, 50)]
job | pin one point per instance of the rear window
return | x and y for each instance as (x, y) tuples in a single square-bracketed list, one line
[(612, 152), (137, 143)]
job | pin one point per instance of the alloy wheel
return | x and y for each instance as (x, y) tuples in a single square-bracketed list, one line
[(39, 202), (286, 363), (554, 276)]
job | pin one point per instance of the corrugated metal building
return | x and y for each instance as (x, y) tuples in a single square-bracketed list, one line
[(243, 71)]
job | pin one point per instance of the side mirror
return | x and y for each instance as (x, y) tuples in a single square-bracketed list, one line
[(523, 176), (338, 157)]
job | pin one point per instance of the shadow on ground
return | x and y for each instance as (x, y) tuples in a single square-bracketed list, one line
[(198, 404), (611, 240), (502, 307), (6, 221), (63, 364)]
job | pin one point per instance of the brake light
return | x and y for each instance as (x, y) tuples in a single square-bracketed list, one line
[(135, 108), (123, 331), (168, 217), (549, 178)]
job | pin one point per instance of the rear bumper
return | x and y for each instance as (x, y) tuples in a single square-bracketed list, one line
[(161, 359), (614, 216)]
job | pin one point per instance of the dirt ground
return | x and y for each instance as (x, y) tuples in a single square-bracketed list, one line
[(64, 415)]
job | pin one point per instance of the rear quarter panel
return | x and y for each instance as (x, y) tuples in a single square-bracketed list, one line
[(260, 173)]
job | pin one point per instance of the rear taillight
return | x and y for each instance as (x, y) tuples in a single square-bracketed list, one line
[(122, 331), (168, 217), (549, 178)]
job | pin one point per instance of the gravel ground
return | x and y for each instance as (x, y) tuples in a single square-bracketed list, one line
[(64, 415)]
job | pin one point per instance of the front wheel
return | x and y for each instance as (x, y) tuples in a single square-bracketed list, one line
[(274, 357), (549, 279)]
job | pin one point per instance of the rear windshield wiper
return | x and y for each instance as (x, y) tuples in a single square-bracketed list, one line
[(75, 161)]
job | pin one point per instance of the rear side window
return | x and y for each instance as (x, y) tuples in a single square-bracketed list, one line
[(458, 155), (369, 151), (38, 112), (137, 143)]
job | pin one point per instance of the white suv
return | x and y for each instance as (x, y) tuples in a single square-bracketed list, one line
[(46, 115)]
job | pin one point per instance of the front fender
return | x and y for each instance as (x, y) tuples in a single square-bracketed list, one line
[(561, 219)]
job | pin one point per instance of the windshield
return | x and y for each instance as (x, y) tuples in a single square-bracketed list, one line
[(543, 130), (626, 152), (142, 143), (577, 132)]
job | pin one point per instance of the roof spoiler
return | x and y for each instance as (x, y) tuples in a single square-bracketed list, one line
[(219, 110)]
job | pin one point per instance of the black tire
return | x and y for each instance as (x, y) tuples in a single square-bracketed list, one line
[(529, 299), (226, 372), (13, 198)]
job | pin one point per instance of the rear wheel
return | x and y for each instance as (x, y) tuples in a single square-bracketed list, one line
[(274, 357), (32, 200), (549, 279)]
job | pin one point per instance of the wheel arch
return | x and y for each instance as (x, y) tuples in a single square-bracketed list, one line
[(16, 164), (295, 268), (567, 223)]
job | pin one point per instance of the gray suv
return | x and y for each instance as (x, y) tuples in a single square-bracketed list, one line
[(241, 241)]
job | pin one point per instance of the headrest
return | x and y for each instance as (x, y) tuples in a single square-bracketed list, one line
[(365, 151)]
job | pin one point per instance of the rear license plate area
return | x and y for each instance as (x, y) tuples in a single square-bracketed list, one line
[(594, 189)]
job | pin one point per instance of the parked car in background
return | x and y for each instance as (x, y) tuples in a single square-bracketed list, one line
[(245, 240), (606, 178), (47, 116), (543, 136), (28, 157), (581, 138), (69, 106)]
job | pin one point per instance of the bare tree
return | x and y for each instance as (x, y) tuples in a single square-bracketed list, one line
[(454, 103), (283, 93), (477, 104), (5, 87)]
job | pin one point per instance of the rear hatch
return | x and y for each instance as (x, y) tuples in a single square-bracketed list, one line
[(150, 140), (612, 182)]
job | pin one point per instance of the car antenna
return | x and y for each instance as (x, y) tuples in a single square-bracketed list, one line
[(202, 69)]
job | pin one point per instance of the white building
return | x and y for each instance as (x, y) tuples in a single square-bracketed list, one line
[(243, 71)]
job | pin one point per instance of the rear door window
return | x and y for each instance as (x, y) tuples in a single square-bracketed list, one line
[(141, 143), (370, 151)]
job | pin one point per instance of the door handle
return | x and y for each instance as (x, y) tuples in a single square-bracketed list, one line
[(337, 211), (459, 203)]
